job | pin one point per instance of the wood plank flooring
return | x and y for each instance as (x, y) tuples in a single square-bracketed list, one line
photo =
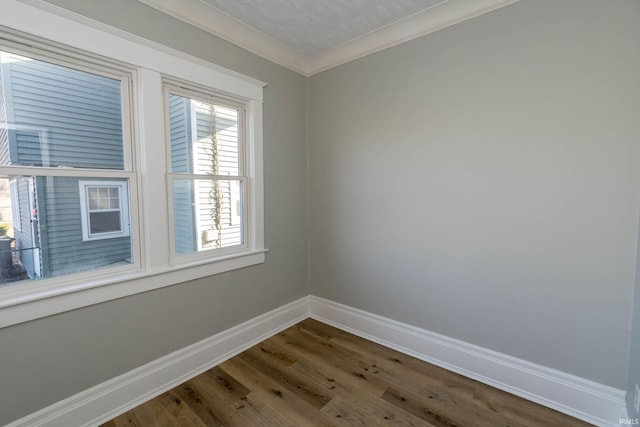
[(315, 375)]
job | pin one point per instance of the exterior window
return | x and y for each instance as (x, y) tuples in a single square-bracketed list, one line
[(103, 209), (60, 123), (207, 172)]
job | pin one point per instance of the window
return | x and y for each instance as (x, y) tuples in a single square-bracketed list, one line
[(205, 140), (64, 120), (104, 209), (98, 209)]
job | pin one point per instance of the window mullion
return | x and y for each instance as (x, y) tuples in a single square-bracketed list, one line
[(153, 193)]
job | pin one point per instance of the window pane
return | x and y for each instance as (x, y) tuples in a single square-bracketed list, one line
[(105, 222), (204, 137), (114, 198), (41, 230), (101, 198), (58, 116), (207, 214)]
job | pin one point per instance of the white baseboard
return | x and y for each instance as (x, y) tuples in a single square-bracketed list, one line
[(587, 400), (105, 401), (575, 396)]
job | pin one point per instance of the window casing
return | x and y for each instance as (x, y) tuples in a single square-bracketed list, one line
[(143, 71)]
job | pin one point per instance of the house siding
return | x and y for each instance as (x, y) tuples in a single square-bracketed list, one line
[(223, 123), (65, 117), (60, 117), (180, 130), (195, 226), (67, 252)]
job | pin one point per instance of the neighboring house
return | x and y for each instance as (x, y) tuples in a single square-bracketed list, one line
[(207, 214), (59, 117), (54, 116)]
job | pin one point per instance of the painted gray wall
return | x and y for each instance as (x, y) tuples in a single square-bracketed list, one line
[(482, 182), (46, 360), (634, 357), (479, 182)]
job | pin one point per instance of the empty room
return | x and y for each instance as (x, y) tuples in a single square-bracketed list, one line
[(347, 212)]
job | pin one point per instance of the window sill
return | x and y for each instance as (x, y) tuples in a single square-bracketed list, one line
[(20, 304)]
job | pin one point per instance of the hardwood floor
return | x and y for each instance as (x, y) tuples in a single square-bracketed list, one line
[(315, 375)]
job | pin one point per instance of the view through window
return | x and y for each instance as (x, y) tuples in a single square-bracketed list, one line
[(206, 173), (59, 124)]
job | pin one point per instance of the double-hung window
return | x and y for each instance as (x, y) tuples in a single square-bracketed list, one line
[(206, 146), (64, 120), (104, 209), (129, 166)]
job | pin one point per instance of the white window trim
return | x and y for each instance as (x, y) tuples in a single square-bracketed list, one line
[(151, 62), (85, 211)]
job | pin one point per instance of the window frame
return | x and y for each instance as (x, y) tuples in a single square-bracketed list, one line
[(76, 38), (32, 47), (86, 211), (208, 96)]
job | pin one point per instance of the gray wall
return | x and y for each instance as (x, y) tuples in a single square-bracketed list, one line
[(46, 360), (482, 182), (634, 358)]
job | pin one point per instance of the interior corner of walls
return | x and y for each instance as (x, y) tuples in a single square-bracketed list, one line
[(578, 397)]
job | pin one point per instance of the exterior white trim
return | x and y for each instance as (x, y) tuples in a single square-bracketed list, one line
[(211, 20), (584, 399), (105, 401), (581, 398), (123, 209)]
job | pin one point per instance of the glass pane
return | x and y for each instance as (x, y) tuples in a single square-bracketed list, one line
[(114, 198), (51, 115), (207, 214), (104, 222), (41, 232), (204, 137), (103, 198), (93, 198)]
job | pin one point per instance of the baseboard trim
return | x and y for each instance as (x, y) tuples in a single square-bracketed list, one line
[(592, 402), (587, 400), (105, 401)]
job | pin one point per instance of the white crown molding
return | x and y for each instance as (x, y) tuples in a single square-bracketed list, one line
[(417, 25), (211, 20)]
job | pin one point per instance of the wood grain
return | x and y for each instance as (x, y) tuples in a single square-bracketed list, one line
[(315, 375)]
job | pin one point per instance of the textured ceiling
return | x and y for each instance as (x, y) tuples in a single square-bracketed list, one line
[(313, 26)]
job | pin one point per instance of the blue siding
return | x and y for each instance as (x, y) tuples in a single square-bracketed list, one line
[(180, 128), (217, 152), (205, 211), (64, 117), (66, 252), (58, 116)]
